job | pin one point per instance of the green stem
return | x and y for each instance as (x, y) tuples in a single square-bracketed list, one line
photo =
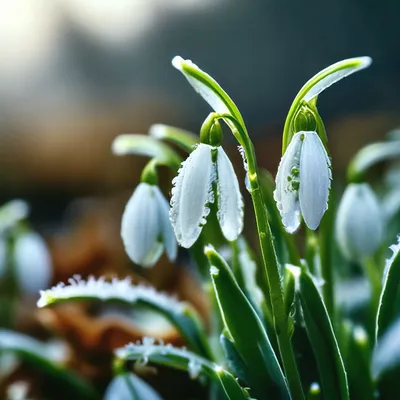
[(325, 247), (375, 278), (271, 268)]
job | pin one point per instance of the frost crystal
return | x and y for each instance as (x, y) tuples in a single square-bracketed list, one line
[(395, 249), (99, 288), (150, 350)]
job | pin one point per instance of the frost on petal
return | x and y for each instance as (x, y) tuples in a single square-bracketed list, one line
[(287, 181), (205, 91), (191, 195), (315, 179), (167, 233), (120, 388), (363, 62), (230, 201), (359, 226), (140, 228), (32, 263)]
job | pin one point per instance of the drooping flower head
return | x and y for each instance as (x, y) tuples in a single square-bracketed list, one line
[(146, 230), (303, 181), (193, 193), (359, 223)]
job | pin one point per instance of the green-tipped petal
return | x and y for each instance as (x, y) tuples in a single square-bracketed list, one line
[(315, 180), (230, 201), (191, 195)]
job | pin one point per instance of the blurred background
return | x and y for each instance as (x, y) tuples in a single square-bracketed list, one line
[(74, 74)]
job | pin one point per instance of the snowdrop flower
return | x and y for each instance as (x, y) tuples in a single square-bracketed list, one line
[(303, 181), (122, 386), (32, 262), (359, 224), (146, 230), (193, 193)]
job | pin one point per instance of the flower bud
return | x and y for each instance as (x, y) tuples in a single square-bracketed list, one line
[(359, 223)]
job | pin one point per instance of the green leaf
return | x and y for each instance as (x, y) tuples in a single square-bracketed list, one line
[(322, 338), (245, 271), (332, 74), (208, 88), (370, 155), (284, 242), (357, 357), (246, 331), (182, 359), (143, 145), (387, 302), (180, 314), (182, 138), (317, 84), (235, 362), (44, 357)]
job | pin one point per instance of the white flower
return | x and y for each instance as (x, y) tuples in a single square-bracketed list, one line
[(32, 262), (193, 192), (146, 230), (359, 223), (120, 388), (303, 181)]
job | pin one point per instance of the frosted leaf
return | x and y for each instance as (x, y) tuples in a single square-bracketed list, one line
[(230, 201), (55, 351), (33, 266), (191, 195), (100, 289), (119, 388), (359, 226), (151, 351), (194, 369), (358, 64), (165, 227), (287, 180), (315, 179), (140, 228), (395, 249), (210, 96)]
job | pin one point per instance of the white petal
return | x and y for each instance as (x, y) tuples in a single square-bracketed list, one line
[(386, 355), (315, 179), (118, 389), (357, 65), (140, 228), (210, 96), (359, 226), (230, 201), (168, 236), (285, 195), (191, 194), (32, 263)]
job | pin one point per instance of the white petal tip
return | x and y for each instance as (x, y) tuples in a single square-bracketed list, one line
[(177, 62), (365, 61), (118, 146)]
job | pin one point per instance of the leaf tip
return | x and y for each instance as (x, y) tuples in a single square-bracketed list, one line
[(177, 62)]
